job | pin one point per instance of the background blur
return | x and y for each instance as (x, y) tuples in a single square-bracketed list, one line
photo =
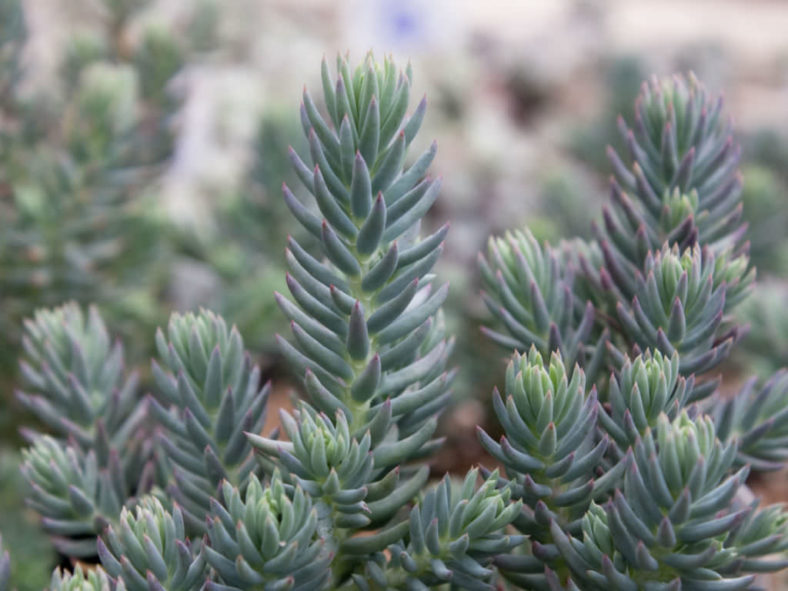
[(143, 144)]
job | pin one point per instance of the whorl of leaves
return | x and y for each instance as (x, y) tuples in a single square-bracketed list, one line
[(210, 397)]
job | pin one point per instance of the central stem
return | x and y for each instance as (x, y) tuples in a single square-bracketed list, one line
[(359, 410)]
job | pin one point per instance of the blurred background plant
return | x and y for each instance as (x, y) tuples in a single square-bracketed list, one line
[(143, 146), (240, 254), (82, 153), (81, 158)]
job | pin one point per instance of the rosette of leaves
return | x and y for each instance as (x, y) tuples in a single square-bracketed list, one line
[(335, 469), (266, 539), (758, 419), (80, 580), (548, 446), (210, 397), (147, 550), (664, 528), (679, 305), (531, 294), (77, 384), (454, 532), (75, 494), (550, 453), (324, 460), (680, 183), (640, 392)]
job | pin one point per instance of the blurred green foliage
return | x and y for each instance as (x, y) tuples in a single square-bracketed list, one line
[(765, 349), (30, 549), (621, 78), (765, 199), (81, 160), (244, 248), (78, 200)]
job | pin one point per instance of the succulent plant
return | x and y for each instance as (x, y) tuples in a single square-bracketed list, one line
[(679, 189), (81, 478), (98, 457), (681, 183), (77, 380), (531, 293), (551, 455), (266, 539), (75, 495), (363, 321), (147, 549), (323, 458), (79, 580), (640, 392), (679, 304), (655, 508), (549, 447), (455, 531), (210, 397), (662, 528), (636, 481)]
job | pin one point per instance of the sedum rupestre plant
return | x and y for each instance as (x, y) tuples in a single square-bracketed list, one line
[(620, 464), (662, 505), (82, 580), (211, 396)]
